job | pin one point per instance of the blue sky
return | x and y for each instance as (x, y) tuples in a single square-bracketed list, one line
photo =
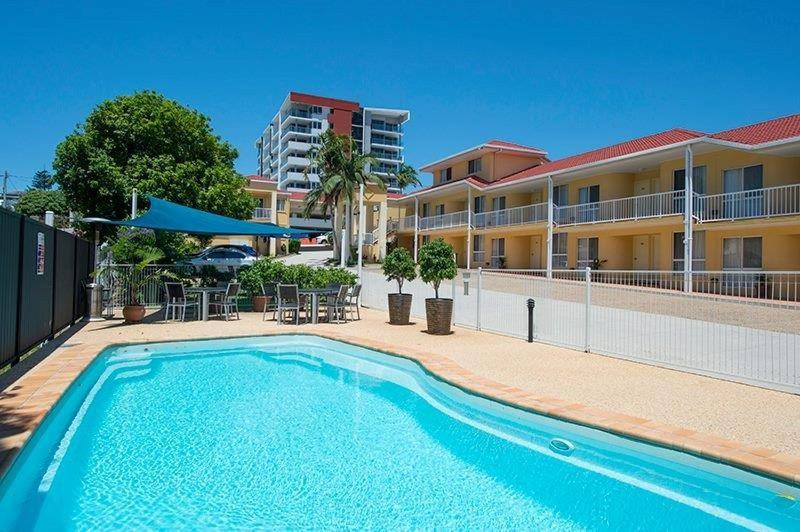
[(564, 76)]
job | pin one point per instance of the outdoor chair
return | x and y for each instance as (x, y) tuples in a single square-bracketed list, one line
[(271, 304), (352, 302), (177, 300), (335, 306), (229, 302), (289, 301)]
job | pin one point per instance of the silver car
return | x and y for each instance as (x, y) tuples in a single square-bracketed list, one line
[(223, 259)]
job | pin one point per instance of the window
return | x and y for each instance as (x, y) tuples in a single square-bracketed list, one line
[(745, 199), (587, 203), (426, 208), (561, 195), (498, 252), (479, 203), (474, 166), (281, 205), (587, 252), (426, 239), (560, 250), (741, 253), (316, 109), (698, 251), (499, 203), (478, 253), (698, 179), (439, 209), (316, 125), (445, 174)]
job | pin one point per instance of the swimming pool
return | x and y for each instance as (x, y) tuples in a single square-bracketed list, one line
[(303, 432)]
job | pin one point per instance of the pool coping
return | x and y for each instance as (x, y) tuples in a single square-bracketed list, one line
[(32, 397)]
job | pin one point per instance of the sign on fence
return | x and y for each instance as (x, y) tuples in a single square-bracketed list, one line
[(40, 253)]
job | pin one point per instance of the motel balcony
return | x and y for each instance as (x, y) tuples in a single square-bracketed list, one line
[(758, 203), (261, 214), (444, 221), (528, 214), (623, 209)]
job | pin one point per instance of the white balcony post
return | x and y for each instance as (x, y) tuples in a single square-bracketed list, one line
[(273, 218), (549, 227), (688, 195), (134, 203), (362, 223), (469, 227), (416, 228), (588, 310)]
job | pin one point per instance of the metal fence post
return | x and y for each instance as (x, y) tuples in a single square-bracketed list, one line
[(478, 301), (588, 316)]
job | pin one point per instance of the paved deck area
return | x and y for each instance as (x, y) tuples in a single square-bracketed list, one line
[(752, 427)]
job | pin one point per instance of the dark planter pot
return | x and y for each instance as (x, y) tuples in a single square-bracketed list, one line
[(439, 313), (133, 313), (399, 309), (259, 302)]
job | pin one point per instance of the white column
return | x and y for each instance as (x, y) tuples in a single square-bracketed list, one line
[(348, 227), (134, 203), (687, 220), (362, 222), (416, 228), (341, 223), (383, 217), (469, 226), (273, 218), (549, 227)]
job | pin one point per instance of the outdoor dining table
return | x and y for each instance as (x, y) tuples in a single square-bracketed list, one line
[(315, 293), (205, 292)]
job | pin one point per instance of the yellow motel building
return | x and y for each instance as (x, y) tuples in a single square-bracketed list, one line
[(285, 208), (621, 207)]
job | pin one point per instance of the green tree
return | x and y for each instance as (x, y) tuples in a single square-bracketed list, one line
[(399, 266), (42, 180), (35, 202), (436, 263), (156, 145), (342, 168), (406, 176)]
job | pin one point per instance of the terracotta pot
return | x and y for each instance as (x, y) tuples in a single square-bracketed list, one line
[(133, 313), (259, 302), (439, 313), (399, 309)]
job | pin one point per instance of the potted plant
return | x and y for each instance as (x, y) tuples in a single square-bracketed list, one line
[(399, 266), (437, 263), (133, 280)]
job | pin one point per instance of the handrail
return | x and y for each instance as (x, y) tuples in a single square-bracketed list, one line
[(758, 203), (630, 208), (443, 221), (536, 212)]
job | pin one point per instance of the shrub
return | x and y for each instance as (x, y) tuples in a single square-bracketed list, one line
[(327, 276), (294, 246), (264, 271), (399, 266), (436, 263)]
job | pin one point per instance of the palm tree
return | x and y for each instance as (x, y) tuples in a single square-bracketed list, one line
[(406, 176), (342, 169)]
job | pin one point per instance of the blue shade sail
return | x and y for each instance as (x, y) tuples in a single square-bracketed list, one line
[(167, 216)]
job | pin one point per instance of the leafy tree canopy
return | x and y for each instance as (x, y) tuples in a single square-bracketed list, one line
[(155, 145), (436, 263), (35, 202), (399, 266)]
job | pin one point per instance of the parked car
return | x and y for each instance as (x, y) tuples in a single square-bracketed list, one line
[(241, 247), (223, 258)]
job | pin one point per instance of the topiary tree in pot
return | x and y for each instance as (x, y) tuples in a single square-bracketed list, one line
[(399, 266), (436, 264)]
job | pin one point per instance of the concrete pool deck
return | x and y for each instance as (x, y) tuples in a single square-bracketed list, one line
[(751, 427)]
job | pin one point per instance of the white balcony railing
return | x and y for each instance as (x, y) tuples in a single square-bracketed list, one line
[(513, 216), (759, 203), (408, 222), (617, 210), (478, 256), (443, 221), (261, 213)]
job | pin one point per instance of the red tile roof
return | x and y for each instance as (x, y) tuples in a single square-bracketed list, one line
[(495, 143), (767, 131), (658, 140)]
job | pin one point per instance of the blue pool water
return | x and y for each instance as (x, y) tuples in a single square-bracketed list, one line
[(302, 432)]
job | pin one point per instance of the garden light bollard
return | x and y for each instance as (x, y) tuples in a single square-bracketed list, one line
[(531, 305), (465, 276)]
